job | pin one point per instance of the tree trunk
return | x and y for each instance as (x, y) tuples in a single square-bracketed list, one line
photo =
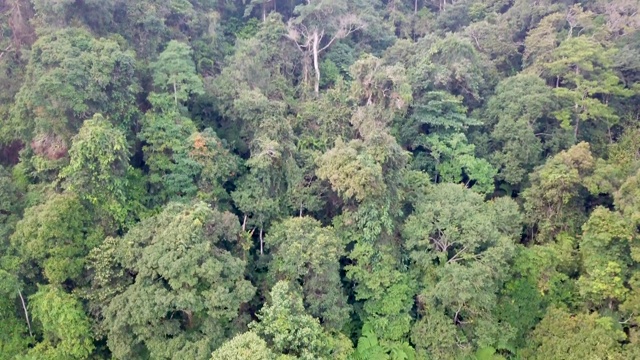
[(415, 7), (305, 68), (175, 92), (261, 243), (316, 66), (26, 314)]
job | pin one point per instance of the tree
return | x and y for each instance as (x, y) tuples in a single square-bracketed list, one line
[(288, 329), (315, 20), (188, 288), (352, 171), (273, 172), (580, 336), (436, 335), (16, 335), (455, 160), (175, 73), (519, 113), (172, 173), (10, 206), (437, 113), (257, 81), (56, 235), (218, 165), (99, 161), (553, 202), (451, 64), (461, 247), (66, 330), (584, 68), (306, 253), (606, 245), (70, 77), (370, 348), (246, 346), (626, 198)]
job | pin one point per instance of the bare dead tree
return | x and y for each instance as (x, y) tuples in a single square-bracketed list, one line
[(312, 40)]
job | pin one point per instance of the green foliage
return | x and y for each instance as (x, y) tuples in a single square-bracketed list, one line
[(607, 249), (217, 165), (585, 69), (56, 235), (460, 246), (370, 348), (189, 284), (352, 171), (288, 329), (331, 172), (553, 202), (174, 73), (247, 346), (98, 164), (519, 112), (454, 160), (70, 77), (305, 252), (575, 337), (435, 335), (14, 338), (172, 173), (10, 206), (66, 330)]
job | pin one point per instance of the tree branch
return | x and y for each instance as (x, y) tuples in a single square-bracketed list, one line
[(341, 34), (2, 52)]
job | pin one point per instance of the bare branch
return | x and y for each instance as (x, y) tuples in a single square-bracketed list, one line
[(348, 24), (2, 52)]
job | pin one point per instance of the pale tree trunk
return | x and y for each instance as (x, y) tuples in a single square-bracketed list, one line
[(577, 127), (306, 68), (415, 7), (26, 314), (261, 243), (316, 66), (175, 92)]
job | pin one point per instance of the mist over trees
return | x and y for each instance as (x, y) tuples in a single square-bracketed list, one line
[(319, 179)]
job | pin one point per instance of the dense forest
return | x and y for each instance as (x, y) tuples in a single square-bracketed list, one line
[(319, 179)]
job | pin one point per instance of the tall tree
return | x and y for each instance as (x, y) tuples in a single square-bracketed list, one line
[(247, 346), (575, 337), (554, 202), (584, 77), (317, 25), (188, 288), (56, 235), (461, 247), (174, 73), (305, 252), (288, 329), (70, 77), (66, 330), (521, 116), (99, 162)]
